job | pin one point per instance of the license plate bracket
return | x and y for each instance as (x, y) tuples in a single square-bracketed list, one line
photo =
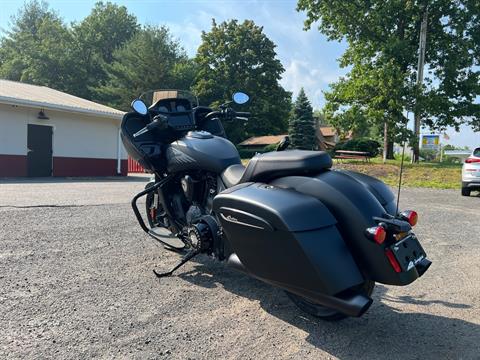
[(408, 252)]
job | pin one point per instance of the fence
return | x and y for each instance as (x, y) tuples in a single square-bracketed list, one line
[(133, 166)]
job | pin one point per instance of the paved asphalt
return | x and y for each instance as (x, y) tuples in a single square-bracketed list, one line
[(76, 282)]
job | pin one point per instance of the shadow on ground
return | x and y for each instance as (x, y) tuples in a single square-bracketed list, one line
[(384, 332)]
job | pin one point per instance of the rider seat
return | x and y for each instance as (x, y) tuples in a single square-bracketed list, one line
[(265, 167)]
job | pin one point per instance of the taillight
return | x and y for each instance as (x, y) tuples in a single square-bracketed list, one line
[(393, 260), (410, 216), (377, 234), (472, 160)]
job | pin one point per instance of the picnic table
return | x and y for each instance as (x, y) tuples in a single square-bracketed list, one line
[(352, 155)]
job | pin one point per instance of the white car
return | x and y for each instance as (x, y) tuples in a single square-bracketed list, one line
[(471, 173)]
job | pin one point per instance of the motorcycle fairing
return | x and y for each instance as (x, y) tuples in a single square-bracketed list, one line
[(286, 238)]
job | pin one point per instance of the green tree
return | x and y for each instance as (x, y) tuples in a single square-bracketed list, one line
[(35, 50), (351, 122), (321, 118), (238, 56), (150, 60), (302, 124), (369, 102), (382, 52), (41, 49), (95, 39)]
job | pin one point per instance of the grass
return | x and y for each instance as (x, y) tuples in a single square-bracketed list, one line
[(424, 174)]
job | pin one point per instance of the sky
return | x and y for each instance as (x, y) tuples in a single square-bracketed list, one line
[(309, 59)]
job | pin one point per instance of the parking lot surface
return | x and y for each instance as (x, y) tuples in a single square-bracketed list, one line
[(76, 281)]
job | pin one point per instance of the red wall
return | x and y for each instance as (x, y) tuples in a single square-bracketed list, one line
[(16, 166), (69, 166), (13, 165)]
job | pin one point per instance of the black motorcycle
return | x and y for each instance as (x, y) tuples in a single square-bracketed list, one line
[(287, 218)]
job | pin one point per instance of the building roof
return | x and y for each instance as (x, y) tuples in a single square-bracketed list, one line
[(262, 140), (327, 131), (17, 93)]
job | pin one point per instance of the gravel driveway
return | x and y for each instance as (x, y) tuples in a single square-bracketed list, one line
[(76, 282)]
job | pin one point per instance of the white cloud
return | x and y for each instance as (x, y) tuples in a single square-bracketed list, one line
[(314, 79)]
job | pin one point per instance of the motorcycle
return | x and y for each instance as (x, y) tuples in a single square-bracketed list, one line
[(325, 236)]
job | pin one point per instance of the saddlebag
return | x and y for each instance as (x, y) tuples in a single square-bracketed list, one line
[(286, 238)]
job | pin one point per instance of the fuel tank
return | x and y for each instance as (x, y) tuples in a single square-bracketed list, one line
[(201, 150)]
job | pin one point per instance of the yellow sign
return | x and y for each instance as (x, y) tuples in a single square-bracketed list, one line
[(430, 141)]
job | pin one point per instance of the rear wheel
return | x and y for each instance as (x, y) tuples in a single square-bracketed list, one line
[(323, 312), (465, 191)]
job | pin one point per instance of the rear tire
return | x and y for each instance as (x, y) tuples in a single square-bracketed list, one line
[(465, 191), (323, 312)]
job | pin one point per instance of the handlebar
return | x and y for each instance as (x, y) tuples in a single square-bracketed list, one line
[(159, 121), (229, 113)]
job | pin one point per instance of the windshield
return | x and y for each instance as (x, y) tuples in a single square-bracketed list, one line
[(151, 97)]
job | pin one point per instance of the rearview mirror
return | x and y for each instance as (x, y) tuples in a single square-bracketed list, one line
[(240, 98), (139, 107)]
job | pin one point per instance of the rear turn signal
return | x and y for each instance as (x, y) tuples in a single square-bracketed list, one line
[(377, 234), (410, 216)]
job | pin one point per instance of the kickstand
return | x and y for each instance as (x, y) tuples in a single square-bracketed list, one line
[(187, 258)]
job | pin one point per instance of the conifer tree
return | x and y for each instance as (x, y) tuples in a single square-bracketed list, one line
[(302, 124)]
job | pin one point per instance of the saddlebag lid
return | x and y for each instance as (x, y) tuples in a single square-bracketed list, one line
[(282, 209)]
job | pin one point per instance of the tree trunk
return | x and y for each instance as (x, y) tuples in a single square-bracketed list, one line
[(390, 154), (387, 144)]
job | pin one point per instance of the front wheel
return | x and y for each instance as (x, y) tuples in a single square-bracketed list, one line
[(323, 312), (465, 191)]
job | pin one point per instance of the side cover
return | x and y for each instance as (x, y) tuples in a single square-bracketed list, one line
[(286, 238)]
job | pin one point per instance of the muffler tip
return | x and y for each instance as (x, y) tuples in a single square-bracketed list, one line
[(422, 266)]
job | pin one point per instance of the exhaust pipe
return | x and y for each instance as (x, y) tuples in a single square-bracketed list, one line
[(349, 302)]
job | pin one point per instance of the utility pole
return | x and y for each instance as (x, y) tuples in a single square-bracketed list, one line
[(421, 63)]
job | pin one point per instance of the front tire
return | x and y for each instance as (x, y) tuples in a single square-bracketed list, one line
[(323, 312), (465, 191)]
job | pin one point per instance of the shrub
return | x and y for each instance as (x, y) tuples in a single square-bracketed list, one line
[(271, 147), (372, 147), (406, 158), (428, 155)]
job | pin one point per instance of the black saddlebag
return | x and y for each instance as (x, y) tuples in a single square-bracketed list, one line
[(286, 238)]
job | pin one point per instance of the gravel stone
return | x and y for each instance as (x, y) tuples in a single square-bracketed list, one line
[(76, 282)]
